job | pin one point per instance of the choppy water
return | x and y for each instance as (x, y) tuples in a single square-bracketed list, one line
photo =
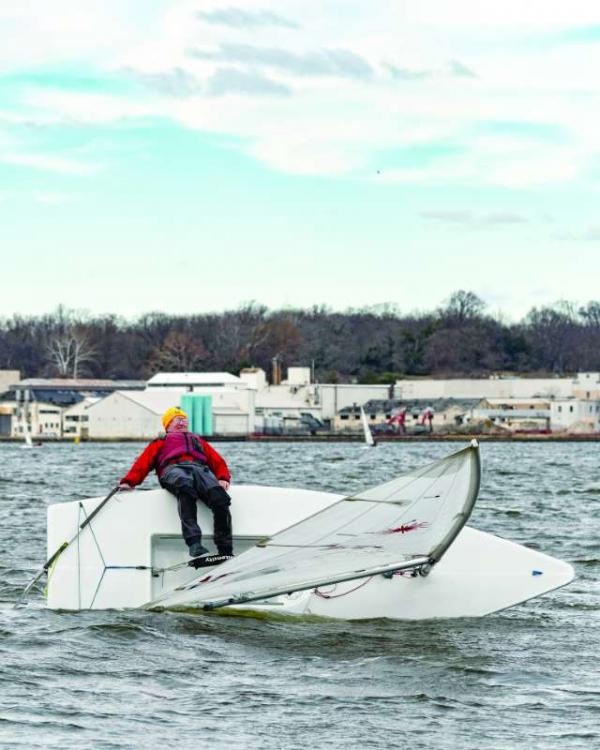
[(526, 677)]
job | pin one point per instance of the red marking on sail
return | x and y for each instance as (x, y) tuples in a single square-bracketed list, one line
[(405, 528), (206, 579)]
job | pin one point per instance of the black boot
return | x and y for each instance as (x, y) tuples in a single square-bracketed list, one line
[(197, 549)]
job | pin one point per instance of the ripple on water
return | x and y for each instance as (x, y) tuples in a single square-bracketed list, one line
[(128, 679)]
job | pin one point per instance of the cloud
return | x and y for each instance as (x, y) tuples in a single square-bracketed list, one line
[(51, 163), (245, 19), (176, 82), (589, 234), (52, 199), (29, 121), (420, 91), (408, 74), (235, 81), (451, 217), (592, 234), (530, 170), (503, 217), (497, 218), (460, 70), (340, 63), (576, 35), (453, 68), (86, 108)]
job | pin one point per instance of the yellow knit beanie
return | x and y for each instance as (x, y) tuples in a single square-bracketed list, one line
[(170, 415)]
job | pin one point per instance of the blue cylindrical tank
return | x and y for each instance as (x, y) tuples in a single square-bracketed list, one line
[(186, 402), (207, 416)]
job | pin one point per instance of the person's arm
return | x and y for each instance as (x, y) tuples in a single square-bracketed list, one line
[(216, 463), (142, 466)]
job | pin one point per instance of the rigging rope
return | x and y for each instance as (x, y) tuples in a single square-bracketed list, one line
[(214, 559), (324, 595)]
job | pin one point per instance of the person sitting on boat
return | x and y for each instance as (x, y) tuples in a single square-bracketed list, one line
[(191, 469)]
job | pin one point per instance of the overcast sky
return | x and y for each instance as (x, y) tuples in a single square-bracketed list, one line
[(190, 156)]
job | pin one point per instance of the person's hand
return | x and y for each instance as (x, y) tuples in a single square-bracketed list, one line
[(224, 484), (123, 487)]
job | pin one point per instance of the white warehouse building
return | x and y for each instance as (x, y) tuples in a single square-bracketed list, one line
[(493, 387), (137, 414), (125, 414), (575, 415)]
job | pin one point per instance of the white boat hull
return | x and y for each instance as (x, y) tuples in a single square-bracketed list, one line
[(114, 562)]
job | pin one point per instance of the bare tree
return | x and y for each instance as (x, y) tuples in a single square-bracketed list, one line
[(462, 307), (363, 343), (551, 332), (179, 352), (69, 351)]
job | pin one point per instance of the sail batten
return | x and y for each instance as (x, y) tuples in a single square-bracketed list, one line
[(401, 524)]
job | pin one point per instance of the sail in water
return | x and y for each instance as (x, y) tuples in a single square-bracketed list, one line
[(403, 524), (369, 439)]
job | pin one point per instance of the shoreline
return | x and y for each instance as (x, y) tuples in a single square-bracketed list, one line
[(454, 437)]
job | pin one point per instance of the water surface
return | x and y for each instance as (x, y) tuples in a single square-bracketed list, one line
[(526, 677)]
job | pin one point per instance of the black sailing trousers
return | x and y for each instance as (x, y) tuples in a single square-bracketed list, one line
[(190, 482)]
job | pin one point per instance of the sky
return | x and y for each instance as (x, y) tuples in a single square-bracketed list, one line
[(194, 156)]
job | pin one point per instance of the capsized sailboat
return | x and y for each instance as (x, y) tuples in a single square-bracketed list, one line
[(405, 524), (369, 439), (399, 550)]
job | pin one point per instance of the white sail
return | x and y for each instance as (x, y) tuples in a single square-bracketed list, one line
[(366, 429), (27, 434), (406, 523)]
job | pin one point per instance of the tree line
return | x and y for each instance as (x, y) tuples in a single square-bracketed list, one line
[(369, 345)]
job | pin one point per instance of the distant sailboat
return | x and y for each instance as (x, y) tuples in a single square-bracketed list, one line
[(27, 436), (369, 439)]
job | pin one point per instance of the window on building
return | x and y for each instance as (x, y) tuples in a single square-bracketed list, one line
[(343, 416), (560, 408), (571, 409)]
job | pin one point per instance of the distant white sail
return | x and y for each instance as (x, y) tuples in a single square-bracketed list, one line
[(27, 434), (366, 429), (408, 522)]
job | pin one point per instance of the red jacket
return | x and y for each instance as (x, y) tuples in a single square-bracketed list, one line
[(148, 460)]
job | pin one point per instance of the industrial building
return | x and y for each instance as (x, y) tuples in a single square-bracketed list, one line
[(247, 404), (499, 387), (446, 414), (132, 415)]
